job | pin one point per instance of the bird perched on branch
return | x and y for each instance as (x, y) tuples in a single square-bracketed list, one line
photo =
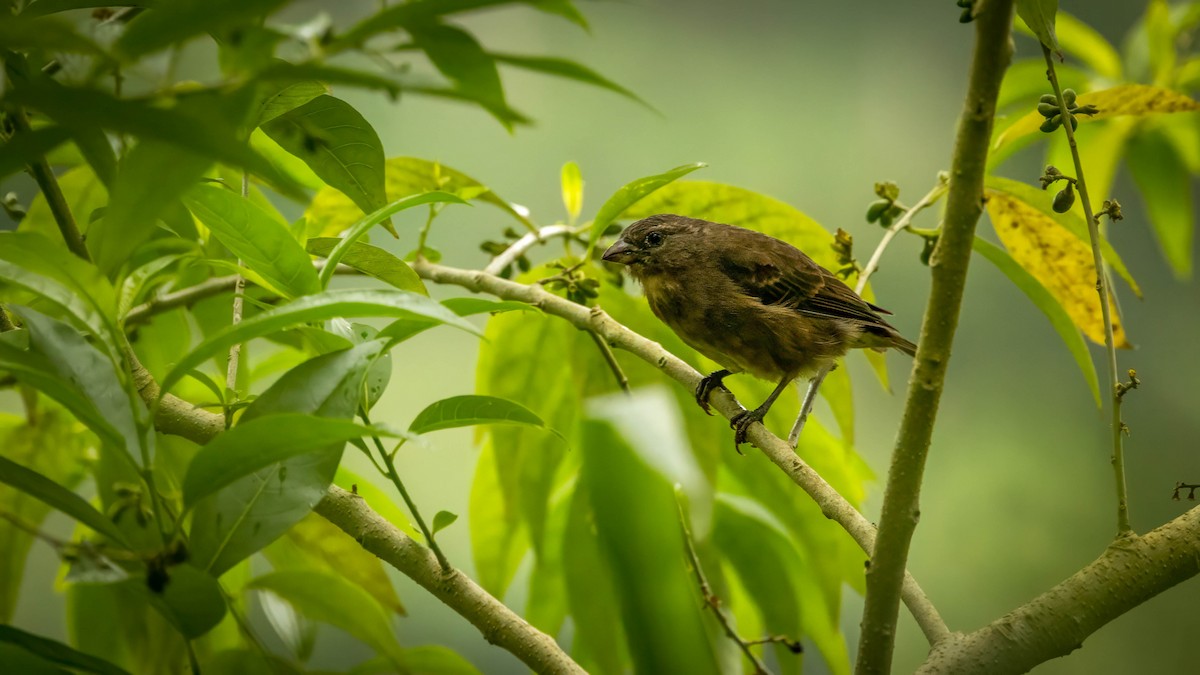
[(748, 301)]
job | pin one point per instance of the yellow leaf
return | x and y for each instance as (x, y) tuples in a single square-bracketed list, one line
[(1126, 99), (1055, 257)]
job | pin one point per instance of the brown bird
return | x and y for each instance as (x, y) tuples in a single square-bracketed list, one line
[(748, 301)]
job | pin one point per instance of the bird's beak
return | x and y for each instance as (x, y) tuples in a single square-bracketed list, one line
[(620, 252)]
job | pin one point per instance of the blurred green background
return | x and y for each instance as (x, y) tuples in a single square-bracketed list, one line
[(810, 103)]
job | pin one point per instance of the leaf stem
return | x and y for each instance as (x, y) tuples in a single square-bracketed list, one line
[(526, 242), (611, 360), (1102, 287), (810, 395)]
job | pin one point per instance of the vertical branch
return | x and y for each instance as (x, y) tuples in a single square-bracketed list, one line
[(235, 352), (948, 266), (48, 184), (1116, 390)]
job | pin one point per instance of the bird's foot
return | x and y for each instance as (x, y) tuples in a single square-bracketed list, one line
[(707, 384), (741, 425)]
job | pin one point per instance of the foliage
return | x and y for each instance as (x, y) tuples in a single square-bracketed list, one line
[(575, 481)]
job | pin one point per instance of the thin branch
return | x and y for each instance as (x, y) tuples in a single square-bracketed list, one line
[(526, 242), (948, 267), (48, 183), (1102, 287), (711, 599), (611, 360), (833, 505), (901, 223), (235, 350)]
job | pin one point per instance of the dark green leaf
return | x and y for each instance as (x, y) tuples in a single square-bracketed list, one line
[(21, 33), (442, 520), (23, 149), (469, 410), (338, 144), (403, 329), (57, 497), (295, 73), (629, 194), (1044, 301), (174, 22), (373, 261), (1039, 16), (1166, 189), (329, 598), (327, 305), (57, 652), (461, 59), (192, 600), (568, 69), (592, 593), (289, 97), (378, 216), (407, 13), (262, 243)]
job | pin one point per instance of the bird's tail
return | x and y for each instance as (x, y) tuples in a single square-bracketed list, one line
[(903, 345)]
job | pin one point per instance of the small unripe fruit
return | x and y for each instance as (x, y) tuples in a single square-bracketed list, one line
[(1065, 199), (1047, 109), (876, 210), (1069, 97), (1048, 98)]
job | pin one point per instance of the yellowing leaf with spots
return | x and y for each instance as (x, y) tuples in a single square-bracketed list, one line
[(1126, 99), (1056, 258)]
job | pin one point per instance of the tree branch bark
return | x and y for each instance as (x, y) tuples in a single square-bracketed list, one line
[(964, 205)]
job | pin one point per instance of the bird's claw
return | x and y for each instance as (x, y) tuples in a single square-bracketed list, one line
[(741, 425), (707, 385)]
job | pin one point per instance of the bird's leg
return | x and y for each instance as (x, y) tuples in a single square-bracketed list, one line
[(741, 422), (707, 384), (810, 396)]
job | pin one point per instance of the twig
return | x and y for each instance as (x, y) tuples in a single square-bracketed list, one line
[(710, 599), (833, 505), (948, 267), (48, 184), (873, 264), (1102, 286), (611, 360), (235, 351), (526, 242)]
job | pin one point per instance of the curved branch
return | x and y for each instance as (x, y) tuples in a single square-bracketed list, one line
[(1131, 571), (832, 504), (518, 247)]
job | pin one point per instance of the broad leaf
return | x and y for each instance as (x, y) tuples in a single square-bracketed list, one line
[(327, 305), (629, 194), (288, 97), (192, 600), (1038, 15), (1082, 42), (174, 22), (24, 149), (470, 410), (57, 652), (1049, 306), (462, 60), (372, 261), (57, 497), (339, 145), (1166, 189), (262, 243)]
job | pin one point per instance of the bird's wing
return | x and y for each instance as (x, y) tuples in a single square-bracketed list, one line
[(778, 274)]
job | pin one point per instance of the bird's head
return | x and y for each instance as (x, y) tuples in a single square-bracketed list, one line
[(653, 244)]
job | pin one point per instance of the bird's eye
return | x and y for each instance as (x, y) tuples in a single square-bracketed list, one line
[(654, 239)]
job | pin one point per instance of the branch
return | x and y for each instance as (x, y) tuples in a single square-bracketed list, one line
[(48, 184), (498, 624), (1130, 572), (520, 246), (948, 265), (833, 505), (1102, 286)]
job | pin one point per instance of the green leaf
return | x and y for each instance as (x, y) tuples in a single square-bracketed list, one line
[(24, 149), (327, 305), (405, 14), (1085, 43), (572, 189), (285, 72), (329, 598), (263, 243), (442, 520), (253, 511), (57, 652), (372, 261), (592, 593), (459, 57), (84, 194), (283, 99), (23, 33), (1166, 189), (437, 660), (372, 219), (1044, 301), (469, 410), (1038, 15), (339, 145), (629, 195), (192, 600), (331, 212), (568, 69), (261, 442), (174, 22), (57, 497)]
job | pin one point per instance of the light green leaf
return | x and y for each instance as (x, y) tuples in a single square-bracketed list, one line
[(84, 193), (498, 542), (442, 520), (288, 97), (378, 216), (57, 652), (192, 600), (339, 145), (329, 598), (262, 242), (572, 189), (568, 69), (327, 305), (1166, 188), (57, 497), (1046, 302), (1038, 15), (1085, 43), (629, 194), (373, 261), (469, 410)]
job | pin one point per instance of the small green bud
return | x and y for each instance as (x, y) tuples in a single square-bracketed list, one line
[(876, 210), (887, 190), (1074, 122), (1069, 97), (1051, 124), (1048, 98), (1065, 199), (1047, 109)]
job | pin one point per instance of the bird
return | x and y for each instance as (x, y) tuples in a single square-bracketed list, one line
[(750, 302)]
